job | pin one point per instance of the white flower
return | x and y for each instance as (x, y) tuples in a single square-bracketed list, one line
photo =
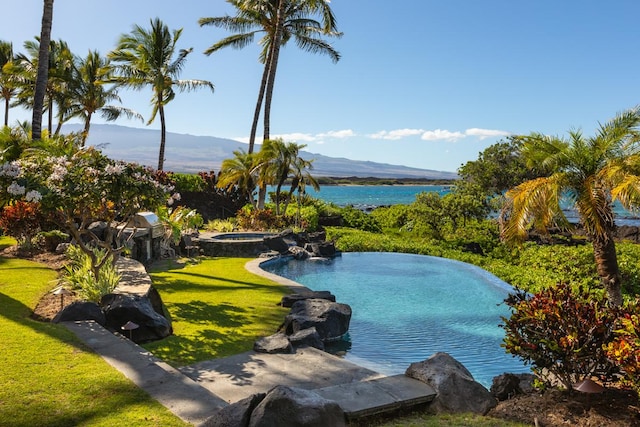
[(33, 196), (116, 169), (170, 201), (176, 196), (58, 174), (15, 189), (10, 169)]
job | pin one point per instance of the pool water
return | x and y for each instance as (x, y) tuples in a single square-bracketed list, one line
[(408, 307)]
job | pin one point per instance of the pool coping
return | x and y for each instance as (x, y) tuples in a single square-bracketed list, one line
[(254, 266)]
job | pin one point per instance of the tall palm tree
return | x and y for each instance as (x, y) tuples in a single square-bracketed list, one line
[(145, 58), (593, 172), (239, 172), (43, 70), (8, 84), (89, 92), (279, 20)]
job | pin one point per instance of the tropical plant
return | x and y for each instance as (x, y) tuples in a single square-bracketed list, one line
[(8, 85), (145, 58), (624, 349), (21, 220), (592, 173), (178, 221), (88, 93), (561, 333), (239, 172), (79, 274), (43, 70), (78, 187), (279, 20)]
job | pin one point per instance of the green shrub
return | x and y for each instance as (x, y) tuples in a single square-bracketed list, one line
[(561, 333), (391, 218), (221, 225), (81, 277), (355, 218), (188, 182), (250, 218), (306, 218)]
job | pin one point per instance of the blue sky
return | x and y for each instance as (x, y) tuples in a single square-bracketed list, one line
[(421, 83)]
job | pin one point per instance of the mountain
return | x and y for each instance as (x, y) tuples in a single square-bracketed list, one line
[(192, 154)]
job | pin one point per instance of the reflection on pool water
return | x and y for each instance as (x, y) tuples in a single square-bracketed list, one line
[(407, 307)]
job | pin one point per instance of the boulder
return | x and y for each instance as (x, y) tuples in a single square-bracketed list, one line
[(294, 407), (505, 386), (81, 310), (321, 249), (120, 309), (237, 414), (628, 232), (299, 253), (276, 243), (457, 391), (308, 337), (276, 343), (289, 300), (331, 319), (313, 237)]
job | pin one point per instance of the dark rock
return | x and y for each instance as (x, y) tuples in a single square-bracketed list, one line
[(314, 237), (322, 249), (299, 253), (276, 343), (473, 247), (505, 386), (331, 319), (276, 243), (120, 309), (308, 337), (628, 232), (526, 382), (457, 391), (331, 221), (289, 300), (81, 310), (294, 407), (237, 414), (99, 228)]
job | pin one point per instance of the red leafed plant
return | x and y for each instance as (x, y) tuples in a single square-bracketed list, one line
[(21, 220), (624, 350), (561, 333)]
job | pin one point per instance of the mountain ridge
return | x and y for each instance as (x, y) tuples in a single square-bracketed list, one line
[(192, 153)]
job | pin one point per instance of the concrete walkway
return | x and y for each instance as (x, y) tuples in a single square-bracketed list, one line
[(195, 393), (182, 396)]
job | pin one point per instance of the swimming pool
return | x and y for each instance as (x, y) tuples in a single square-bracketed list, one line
[(407, 307)]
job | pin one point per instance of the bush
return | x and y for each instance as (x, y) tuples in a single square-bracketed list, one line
[(306, 218), (21, 220), (81, 276), (355, 218), (624, 350), (561, 333), (250, 218), (187, 182), (221, 225)]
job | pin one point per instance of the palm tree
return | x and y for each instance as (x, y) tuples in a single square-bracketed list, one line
[(593, 172), (8, 84), (88, 92), (145, 58), (239, 172), (279, 20), (43, 70)]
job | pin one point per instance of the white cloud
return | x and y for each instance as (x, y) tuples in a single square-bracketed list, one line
[(485, 133), (396, 134), (295, 137), (442, 135), (345, 133)]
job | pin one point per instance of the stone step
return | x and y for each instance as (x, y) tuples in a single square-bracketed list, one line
[(378, 396)]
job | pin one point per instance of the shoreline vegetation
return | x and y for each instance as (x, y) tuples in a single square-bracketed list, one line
[(357, 180)]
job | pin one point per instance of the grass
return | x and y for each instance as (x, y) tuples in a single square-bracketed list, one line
[(47, 376), (217, 307), (446, 420)]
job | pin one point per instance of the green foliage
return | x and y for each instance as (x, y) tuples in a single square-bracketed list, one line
[(250, 218), (561, 333), (357, 219), (221, 225), (302, 217), (80, 275), (391, 218), (188, 182), (178, 221), (624, 349)]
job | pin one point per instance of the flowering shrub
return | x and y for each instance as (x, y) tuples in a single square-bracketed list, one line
[(80, 187), (561, 333), (624, 350), (21, 220), (250, 218)]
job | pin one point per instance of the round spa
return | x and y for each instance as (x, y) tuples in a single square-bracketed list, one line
[(235, 244)]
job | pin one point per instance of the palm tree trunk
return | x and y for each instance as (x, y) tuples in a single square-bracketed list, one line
[(163, 136), (50, 116), (256, 114), (6, 112), (273, 65), (85, 131), (43, 70), (604, 250)]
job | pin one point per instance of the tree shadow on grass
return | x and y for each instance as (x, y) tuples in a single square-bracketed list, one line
[(191, 280), (223, 315)]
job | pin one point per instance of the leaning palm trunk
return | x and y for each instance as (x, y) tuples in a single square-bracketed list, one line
[(256, 114), (273, 65), (163, 137), (604, 251)]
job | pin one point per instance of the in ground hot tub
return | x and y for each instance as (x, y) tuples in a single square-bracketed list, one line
[(236, 244)]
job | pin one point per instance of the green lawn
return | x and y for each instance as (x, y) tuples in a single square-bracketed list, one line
[(217, 307), (48, 378)]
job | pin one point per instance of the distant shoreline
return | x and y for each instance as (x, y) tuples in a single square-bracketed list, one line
[(356, 181)]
